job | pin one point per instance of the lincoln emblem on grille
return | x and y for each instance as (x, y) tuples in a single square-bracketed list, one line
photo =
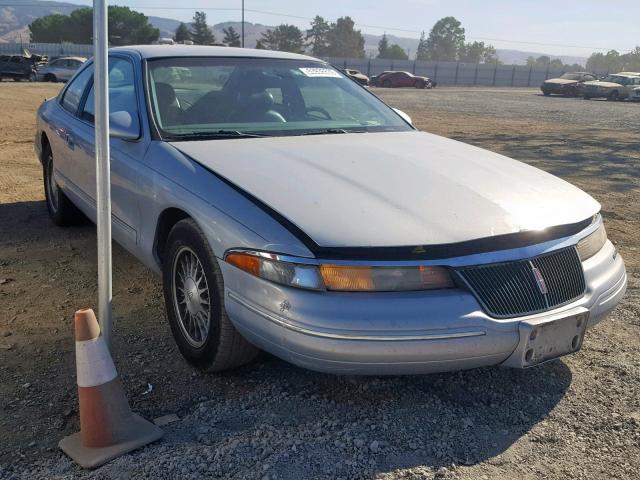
[(542, 286)]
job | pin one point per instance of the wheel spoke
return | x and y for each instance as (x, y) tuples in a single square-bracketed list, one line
[(193, 312)]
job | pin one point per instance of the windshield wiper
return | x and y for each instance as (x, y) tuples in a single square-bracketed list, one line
[(215, 134), (329, 131)]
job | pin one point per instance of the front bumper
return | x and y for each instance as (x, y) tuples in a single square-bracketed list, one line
[(398, 333)]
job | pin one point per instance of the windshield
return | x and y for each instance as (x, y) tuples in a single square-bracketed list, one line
[(201, 96), (614, 79), (571, 76)]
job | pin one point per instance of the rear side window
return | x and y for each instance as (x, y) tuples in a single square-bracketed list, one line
[(73, 94)]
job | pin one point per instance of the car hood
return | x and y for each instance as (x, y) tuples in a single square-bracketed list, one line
[(392, 189), (603, 84), (560, 81)]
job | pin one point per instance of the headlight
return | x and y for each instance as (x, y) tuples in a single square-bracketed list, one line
[(589, 246), (346, 278), (278, 271)]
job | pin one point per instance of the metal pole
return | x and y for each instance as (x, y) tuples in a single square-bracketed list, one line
[(103, 168), (242, 23)]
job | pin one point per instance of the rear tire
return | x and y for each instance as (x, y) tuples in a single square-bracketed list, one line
[(386, 84), (49, 77), (61, 210), (194, 298), (613, 96)]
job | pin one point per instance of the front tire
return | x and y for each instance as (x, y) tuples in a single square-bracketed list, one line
[(49, 77), (194, 297), (61, 210)]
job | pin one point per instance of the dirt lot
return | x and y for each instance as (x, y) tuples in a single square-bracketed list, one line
[(574, 418)]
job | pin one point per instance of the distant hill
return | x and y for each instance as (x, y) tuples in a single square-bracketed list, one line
[(14, 19), (14, 23), (518, 57)]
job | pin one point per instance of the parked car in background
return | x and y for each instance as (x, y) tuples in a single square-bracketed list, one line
[(611, 87), (635, 95), (374, 78), (357, 75), (402, 79), (567, 84), (290, 210), (60, 70), (17, 67)]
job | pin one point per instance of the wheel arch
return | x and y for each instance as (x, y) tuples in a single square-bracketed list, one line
[(44, 143), (166, 221)]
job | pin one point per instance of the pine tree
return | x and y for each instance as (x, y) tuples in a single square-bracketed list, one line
[(423, 51), (383, 46), (201, 34), (317, 36), (344, 40), (231, 37), (182, 33), (286, 38)]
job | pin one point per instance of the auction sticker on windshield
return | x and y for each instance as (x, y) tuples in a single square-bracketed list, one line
[(320, 72)]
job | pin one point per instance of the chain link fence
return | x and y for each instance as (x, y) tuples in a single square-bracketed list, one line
[(444, 73)]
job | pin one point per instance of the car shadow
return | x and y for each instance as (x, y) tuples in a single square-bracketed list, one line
[(327, 426)]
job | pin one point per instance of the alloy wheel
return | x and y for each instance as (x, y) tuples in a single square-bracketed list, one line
[(191, 297)]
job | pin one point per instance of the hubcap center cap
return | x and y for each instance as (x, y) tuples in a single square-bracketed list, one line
[(192, 296)]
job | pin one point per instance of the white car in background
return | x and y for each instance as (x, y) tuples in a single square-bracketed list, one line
[(612, 87), (60, 70)]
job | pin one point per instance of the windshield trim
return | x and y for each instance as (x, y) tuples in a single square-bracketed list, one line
[(158, 133)]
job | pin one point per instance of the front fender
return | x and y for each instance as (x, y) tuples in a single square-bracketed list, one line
[(227, 218)]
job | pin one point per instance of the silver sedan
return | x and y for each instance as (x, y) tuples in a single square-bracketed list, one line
[(59, 70), (289, 209)]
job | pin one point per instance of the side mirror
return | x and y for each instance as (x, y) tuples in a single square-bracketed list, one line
[(124, 126), (404, 116)]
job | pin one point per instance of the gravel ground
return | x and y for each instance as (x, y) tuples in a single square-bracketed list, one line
[(578, 417)]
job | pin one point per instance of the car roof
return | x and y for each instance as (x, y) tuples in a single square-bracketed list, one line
[(162, 51), (82, 59)]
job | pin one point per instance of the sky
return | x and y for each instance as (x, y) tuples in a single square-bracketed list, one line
[(557, 27)]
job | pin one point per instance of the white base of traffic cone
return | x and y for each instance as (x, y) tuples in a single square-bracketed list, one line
[(142, 431)]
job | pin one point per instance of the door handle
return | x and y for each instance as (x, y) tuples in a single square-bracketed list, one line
[(70, 142)]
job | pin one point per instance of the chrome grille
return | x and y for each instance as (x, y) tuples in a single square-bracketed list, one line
[(514, 289)]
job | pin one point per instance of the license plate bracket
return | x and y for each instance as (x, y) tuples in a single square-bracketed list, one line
[(545, 339)]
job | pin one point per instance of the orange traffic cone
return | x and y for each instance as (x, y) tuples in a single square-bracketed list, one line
[(108, 427)]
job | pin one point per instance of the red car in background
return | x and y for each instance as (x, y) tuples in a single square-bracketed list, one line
[(401, 79)]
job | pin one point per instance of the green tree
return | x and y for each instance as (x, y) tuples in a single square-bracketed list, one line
[(396, 52), (49, 29), (422, 53), (201, 34), (344, 40), (478, 52), (631, 60), (182, 33), (231, 37), (317, 36), (446, 40), (286, 38), (544, 61), (126, 27), (611, 61), (383, 46)]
